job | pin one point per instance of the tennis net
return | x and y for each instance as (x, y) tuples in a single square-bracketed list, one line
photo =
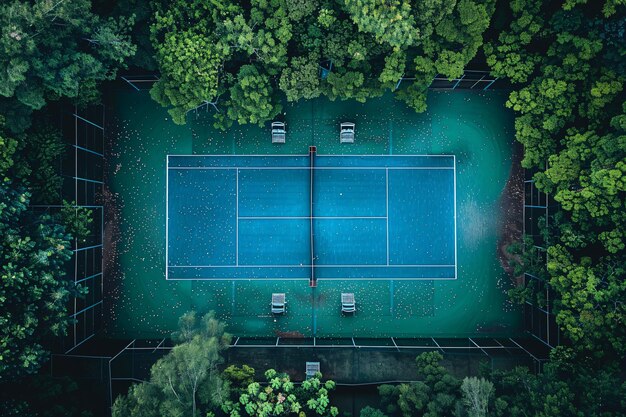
[(312, 151)]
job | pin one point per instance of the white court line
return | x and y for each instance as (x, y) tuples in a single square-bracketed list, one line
[(387, 209), (372, 155), (237, 220), (327, 168), (308, 266), (231, 155), (318, 279), (455, 250), (383, 154), (240, 279), (372, 168), (309, 217)]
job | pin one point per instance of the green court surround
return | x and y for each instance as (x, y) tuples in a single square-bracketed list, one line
[(475, 127)]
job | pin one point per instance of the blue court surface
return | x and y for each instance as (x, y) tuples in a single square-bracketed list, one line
[(311, 216)]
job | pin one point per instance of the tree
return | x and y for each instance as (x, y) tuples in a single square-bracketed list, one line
[(395, 66), (143, 12), (199, 65), (349, 85), (190, 66), (371, 412), (45, 396), (301, 79), (34, 249), (299, 9), (77, 220), (457, 37), (57, 49), (569, 385), (189, 56), (281, 398), (570, 114), (239, 377), (389, 21), (476, 395), (185, 379), (250, 53), (435, 395), (251, 99), (43, 150), (510, 56)]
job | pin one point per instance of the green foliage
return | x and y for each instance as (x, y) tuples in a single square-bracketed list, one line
[(589, 310), (43, 151), (395, 65), (45, 396), (570, 119), (245, 54), (390, 21), (349, 85), (34, 250), (8, 149), (299, 9), (186, 381), (458, 36), (528, 258), (57, 49), (189, 65), (437, 394), (280, 397), (568, 386), (239, 377), (510, 56), (415, 97), (77, 220), (476, 396), (371, 412), (326, 18), (301, 79), (142, 11), (198, 65), (34, 294), (251, 99)]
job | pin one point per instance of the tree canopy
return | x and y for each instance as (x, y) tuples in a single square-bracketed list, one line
[(571, 106), (186, 381), (281, 397), (271, 50), (53, 49), (564, 388), (565, 61), (34, 248)]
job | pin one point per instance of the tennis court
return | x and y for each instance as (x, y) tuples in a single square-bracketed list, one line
[(474, 128), (311, 217)]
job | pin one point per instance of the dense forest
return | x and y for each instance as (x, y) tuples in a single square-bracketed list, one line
[(565, 62)]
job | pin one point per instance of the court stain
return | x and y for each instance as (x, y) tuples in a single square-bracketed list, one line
[(473, 126)]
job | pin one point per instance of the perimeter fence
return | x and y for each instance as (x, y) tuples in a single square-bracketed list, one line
[(351, 362), (81, 168), (539, 314)]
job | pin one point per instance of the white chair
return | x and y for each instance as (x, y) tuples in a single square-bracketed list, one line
[(311, 369), (278, 132), (278, 303), (348, 305), (346, 134)]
